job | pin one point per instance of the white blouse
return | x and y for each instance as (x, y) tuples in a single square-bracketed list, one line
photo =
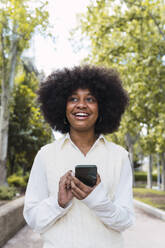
[(42, 210)]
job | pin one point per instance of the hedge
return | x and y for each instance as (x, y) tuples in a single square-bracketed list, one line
[(142, 176)]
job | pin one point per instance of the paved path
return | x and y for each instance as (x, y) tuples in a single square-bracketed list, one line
[(149, 232)]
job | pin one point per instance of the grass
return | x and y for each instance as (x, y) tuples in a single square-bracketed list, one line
[(152, 197)]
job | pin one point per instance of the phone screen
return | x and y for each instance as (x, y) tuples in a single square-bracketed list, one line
[(86, 174)]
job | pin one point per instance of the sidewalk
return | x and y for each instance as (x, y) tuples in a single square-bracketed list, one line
[(147, 232)]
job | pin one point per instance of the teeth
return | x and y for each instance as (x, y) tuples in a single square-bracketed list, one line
[(81, 114)]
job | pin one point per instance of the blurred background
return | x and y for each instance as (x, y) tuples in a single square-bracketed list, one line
[(37, 37)]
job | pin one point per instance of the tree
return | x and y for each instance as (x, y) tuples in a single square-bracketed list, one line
[(27, 128), (18, 21), (130, 36)]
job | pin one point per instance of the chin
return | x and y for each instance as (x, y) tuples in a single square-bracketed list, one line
[(83, 128)]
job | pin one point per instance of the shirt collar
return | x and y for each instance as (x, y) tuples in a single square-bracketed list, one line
[(66, 138)]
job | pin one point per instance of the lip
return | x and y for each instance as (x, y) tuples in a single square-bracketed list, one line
[(81, 112), (81, 117)]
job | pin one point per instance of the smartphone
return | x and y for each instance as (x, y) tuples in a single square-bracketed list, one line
[(86, 174)]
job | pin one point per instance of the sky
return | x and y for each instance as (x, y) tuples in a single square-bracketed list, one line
[(49, 55)]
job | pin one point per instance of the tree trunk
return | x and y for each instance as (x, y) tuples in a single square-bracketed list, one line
[(7, 86), (158, 172), (163, 171), (130, 149), (4, 134), (149, 174)]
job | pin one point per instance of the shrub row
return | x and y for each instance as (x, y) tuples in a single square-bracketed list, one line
[(142, 176), (18, 181), (17, 184), (7, 193)]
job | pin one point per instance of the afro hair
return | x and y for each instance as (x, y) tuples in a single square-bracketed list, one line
[(103, 83)]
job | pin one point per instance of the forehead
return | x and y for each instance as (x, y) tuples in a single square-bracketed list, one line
[(81, 92)]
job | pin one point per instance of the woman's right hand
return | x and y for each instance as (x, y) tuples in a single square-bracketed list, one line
[(64, 194)]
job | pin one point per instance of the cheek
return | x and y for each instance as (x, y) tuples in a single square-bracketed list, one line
[(69, 108), (96, 110), (67, 113)]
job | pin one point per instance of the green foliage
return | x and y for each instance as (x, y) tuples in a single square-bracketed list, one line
[(150, 202), (22, 19), (19, 20), (7, 193), (148, 191), (130, 36), (152, 197), (27, 128), (142, 176), (17, 181)]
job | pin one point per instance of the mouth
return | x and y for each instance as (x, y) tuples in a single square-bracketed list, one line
[(81, 115)]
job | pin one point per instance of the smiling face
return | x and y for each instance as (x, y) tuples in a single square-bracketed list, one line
[(82, 110)]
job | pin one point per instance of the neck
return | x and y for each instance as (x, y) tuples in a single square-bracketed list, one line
[(83, 140)]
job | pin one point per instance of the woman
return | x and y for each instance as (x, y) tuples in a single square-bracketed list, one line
[(84, 103)]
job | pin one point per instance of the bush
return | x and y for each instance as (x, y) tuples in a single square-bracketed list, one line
[(7, 193), (142, 176), (26, 177), (17, 181)]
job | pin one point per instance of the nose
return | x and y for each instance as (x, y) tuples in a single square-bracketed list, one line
[(81, 104)]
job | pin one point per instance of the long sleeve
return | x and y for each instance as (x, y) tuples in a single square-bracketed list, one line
[(118, 213), (40, 209)]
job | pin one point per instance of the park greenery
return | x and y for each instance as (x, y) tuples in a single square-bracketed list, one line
[(129, 36), (126, 35), (26, 124), (151, 197), (22, 128)]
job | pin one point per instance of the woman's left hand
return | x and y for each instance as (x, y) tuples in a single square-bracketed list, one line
[(80, 190)]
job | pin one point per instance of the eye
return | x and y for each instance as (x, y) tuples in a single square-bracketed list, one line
[(90, 99), (72, 99)]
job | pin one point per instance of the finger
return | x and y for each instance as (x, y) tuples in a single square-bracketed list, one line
[(65, 176), (61, 182), (98, 179), (77, 191), (75, 195), (68, 174), (69, 177), (83, 187), (68, 184)]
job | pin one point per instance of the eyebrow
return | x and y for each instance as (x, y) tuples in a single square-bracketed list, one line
[(74, 93)]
